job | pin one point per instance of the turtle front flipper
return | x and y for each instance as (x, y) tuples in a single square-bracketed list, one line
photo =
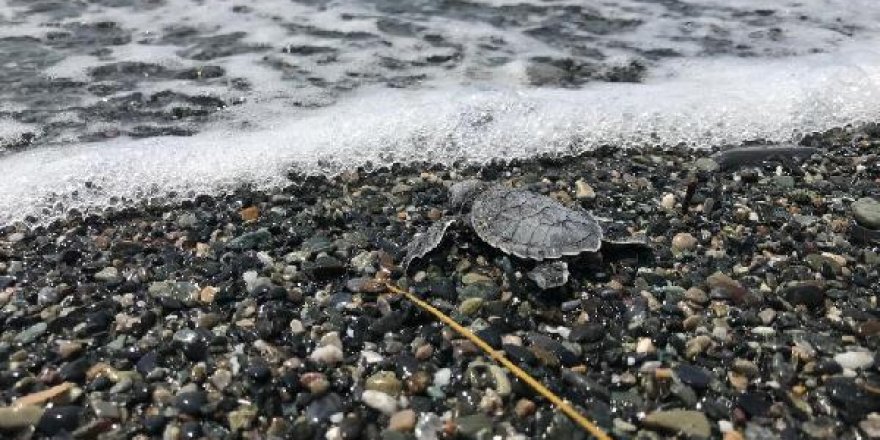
[(425, 242)]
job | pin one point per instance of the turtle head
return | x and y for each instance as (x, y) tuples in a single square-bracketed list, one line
[(462, 194)]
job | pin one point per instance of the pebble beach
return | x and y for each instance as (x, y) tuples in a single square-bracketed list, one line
[(748, 310)]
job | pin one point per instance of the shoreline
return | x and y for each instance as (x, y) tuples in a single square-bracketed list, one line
[(754, 316)]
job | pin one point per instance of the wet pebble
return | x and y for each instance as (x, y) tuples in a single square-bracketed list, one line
[(379, 401), (192, 403), (867, 212), (58, 419), (402, 421), (693, 424), (855, 360)]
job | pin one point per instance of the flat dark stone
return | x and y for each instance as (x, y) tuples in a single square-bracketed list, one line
[(853, 401), (192, 403), (735, 158), (324, 267), (808, 294), (519, 354), (693, 375), (587, 333), (58, 419), (754, 403)]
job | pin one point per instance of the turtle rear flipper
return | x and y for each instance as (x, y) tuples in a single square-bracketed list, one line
[(424, 242)]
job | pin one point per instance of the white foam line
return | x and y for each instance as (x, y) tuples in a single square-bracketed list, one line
[(704, 103)]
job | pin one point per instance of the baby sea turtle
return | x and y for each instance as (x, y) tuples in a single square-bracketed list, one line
[(517, 222)]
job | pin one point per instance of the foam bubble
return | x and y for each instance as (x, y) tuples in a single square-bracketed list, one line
[(701, 103), (12, 132)]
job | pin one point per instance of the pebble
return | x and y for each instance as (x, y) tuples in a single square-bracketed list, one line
[(297, 327), (667, 202), (250, 213), (108, 274), (871, 426), (723, 286), (583, 190), (384, 381), (47, 295), (683, 242), (767, 316), (180, 291), (474, 426), (696, 295), (550, 275), (241, 418), (59, 418), (31, 333), (470, 306), (379, 401), (364, 285), (106, 410), (690, 423), (475, 278), (221, 378), (324, 407), (524, 408), (327, 355), (867, 212), (250, 240), (697, 345), (746, 367), (807, 294), (191, 403), (207, 294), (763, 331), (18, 417), (692, 375), (589, 332), (706, 164), (645, 346), (855, 360), (403, 421), (316, 383)]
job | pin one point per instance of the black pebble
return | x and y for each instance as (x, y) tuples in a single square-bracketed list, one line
[(587, 333), (491, 335), (147, 363), (74, 371), (191, 430), (154, 424), (808, 294), (191, 403), (258, 371), (755, 404), (692, 375), (520, 354), (59, 419)]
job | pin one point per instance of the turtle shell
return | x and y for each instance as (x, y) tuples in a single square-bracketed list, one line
[(533, 226)]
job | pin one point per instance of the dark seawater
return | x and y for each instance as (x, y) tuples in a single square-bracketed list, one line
[(119, 99)]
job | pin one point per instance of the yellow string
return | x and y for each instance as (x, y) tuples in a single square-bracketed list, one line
[(498, 357)]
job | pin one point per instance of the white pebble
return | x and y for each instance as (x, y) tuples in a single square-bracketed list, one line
[(331, 338), (855, 360), (371, 357), (442, 377), (668, 201), (328, 355), (379, 401), (296, 327), (763, 331)]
